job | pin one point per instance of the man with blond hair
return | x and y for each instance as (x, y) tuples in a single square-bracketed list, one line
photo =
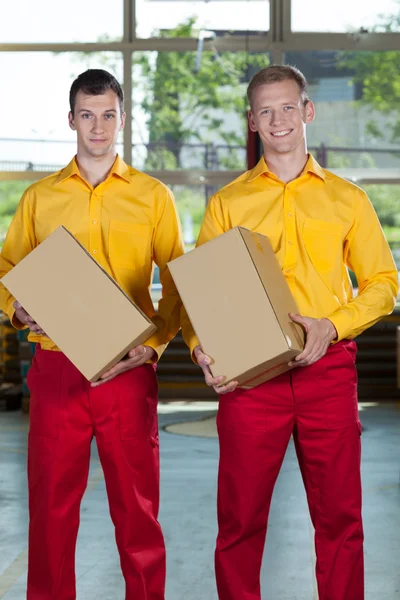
[(319, 226)]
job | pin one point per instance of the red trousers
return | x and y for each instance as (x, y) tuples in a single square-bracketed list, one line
[(65, 414), (318, 406)]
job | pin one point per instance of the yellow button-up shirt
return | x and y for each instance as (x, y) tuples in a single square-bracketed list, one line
[(126, 223), (318, 224)]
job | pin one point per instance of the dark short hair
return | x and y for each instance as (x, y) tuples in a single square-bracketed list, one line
[(276, 73), (95, 82)]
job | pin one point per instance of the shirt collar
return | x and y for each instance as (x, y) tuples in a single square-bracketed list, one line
[(259, 169), (69, 171), (311, 167), (119, 168)]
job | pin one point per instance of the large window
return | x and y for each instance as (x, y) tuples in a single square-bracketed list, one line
[(357, 120), (155, 17), (189, 109), (34, 133), (58, 21), (341, 15), (184, 65)]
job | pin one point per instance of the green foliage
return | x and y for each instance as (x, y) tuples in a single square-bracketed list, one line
[(346, 160), (10, 195), (190, 201), (378, 75), (385, 199), (184, 104)]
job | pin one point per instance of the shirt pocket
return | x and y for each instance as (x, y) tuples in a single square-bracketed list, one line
[(323, 242), (128, 244)]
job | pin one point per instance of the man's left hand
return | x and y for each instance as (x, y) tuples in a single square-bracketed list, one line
[(136, 357), (319, 335)]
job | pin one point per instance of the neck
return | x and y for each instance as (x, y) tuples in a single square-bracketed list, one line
[(287, 166), (95, 170)]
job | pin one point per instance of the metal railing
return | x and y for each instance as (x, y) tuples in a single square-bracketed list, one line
[(173, 156)]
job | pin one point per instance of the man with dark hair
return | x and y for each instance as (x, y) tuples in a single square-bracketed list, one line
[(126, 220), (319, 226), (95, 82)]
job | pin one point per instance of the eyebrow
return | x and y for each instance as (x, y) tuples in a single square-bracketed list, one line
[(282, 103), (106, 111)]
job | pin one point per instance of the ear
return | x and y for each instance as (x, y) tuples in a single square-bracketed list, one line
[(252, 124), (310, 112), (71, 121), (123, 119)]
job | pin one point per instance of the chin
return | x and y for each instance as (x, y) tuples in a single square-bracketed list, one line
[(99, 151), (287, 147), (281, 149)]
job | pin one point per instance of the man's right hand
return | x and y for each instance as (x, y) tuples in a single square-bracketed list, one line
[(25, 319), (204, 362)]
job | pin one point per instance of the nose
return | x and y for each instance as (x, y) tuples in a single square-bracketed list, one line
[(97, 125), (276, 117)]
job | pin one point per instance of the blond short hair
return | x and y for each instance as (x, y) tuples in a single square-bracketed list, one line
[(276, 73)]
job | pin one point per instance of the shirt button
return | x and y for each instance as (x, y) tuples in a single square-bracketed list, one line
[(289, 214), (287, 271), (94, 251), (94, 221), (290, 243)]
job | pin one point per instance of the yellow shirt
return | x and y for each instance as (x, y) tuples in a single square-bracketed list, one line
[(318, 225), (126, 222)]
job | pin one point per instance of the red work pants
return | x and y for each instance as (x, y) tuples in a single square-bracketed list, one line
[(318, 406), (65, 414)]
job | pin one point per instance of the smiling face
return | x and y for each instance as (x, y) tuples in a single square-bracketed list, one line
[(97, 121), (279, 115)]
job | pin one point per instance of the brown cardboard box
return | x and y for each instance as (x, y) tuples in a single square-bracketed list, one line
[(238, 302), (80, 307)]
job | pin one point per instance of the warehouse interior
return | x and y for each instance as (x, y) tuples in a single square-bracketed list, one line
[(193, 136)]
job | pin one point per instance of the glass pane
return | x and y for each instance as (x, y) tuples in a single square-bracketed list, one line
[(191, 202), (221, 17), (10, 195), (72, 21), (34, 133), (386, 200), (342, 15), (356, 124), (189, 111)]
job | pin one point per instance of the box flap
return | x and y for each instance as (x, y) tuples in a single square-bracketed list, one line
[(275, 285), (226, 302)]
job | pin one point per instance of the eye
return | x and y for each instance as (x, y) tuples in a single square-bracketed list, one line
[(289, 107), (109, 116), (86, 115), (266, 111)]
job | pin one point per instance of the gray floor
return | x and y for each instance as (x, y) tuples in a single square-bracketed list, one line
[(189, 467)]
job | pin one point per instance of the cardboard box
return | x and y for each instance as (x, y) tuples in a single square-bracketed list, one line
[(80, 307), (238, 302)]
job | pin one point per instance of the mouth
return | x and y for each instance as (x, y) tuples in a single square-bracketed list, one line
[(281, 134), (97, 141)]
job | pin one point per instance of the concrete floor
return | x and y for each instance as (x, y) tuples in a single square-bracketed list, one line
[(189, 466)]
